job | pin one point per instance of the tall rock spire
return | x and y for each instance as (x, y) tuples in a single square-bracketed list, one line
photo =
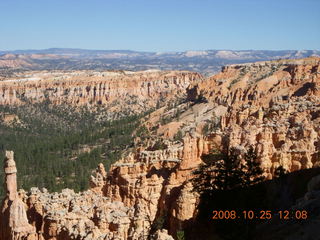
[(11, 176), (14, 223)]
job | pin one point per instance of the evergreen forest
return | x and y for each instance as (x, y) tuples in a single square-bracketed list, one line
[(57, 147)]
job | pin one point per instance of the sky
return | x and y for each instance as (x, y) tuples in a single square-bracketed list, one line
[(160, 25)]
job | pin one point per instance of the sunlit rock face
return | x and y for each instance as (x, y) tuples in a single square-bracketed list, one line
[(86, 88), (272, 106), (122, 204), (158, 182)]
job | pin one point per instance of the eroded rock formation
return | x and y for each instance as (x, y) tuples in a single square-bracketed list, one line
[(14, 222), (124, 204), (90, 88), (62, 216), (157, 182), (272, 106)]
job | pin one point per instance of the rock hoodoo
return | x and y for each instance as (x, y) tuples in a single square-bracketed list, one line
[(14, 221)]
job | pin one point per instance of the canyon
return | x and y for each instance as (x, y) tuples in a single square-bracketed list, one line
[(272, 106)]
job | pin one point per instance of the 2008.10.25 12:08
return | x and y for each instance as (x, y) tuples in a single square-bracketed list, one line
[(262, 214)]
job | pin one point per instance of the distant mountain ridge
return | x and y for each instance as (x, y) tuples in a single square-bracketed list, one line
[(193, 53), (204, 61)]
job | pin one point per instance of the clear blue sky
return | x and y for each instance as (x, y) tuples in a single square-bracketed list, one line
[(160, 25)]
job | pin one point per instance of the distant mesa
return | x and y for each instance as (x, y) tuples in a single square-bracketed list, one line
[(205, 61)]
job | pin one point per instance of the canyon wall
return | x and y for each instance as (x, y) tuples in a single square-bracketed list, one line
[(272, 106), (90, 88)]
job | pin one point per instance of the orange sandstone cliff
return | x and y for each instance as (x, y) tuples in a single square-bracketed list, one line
[(91, 88)]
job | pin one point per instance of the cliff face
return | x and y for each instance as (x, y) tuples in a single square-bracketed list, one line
[(260, 83), (92, 88), (272, 106), (157, 182)]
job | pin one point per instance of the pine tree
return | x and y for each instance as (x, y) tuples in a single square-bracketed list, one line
[(280, 172), (222, 172), (252, 172)]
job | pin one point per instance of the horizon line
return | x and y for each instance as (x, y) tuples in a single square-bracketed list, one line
[(146, 51)]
